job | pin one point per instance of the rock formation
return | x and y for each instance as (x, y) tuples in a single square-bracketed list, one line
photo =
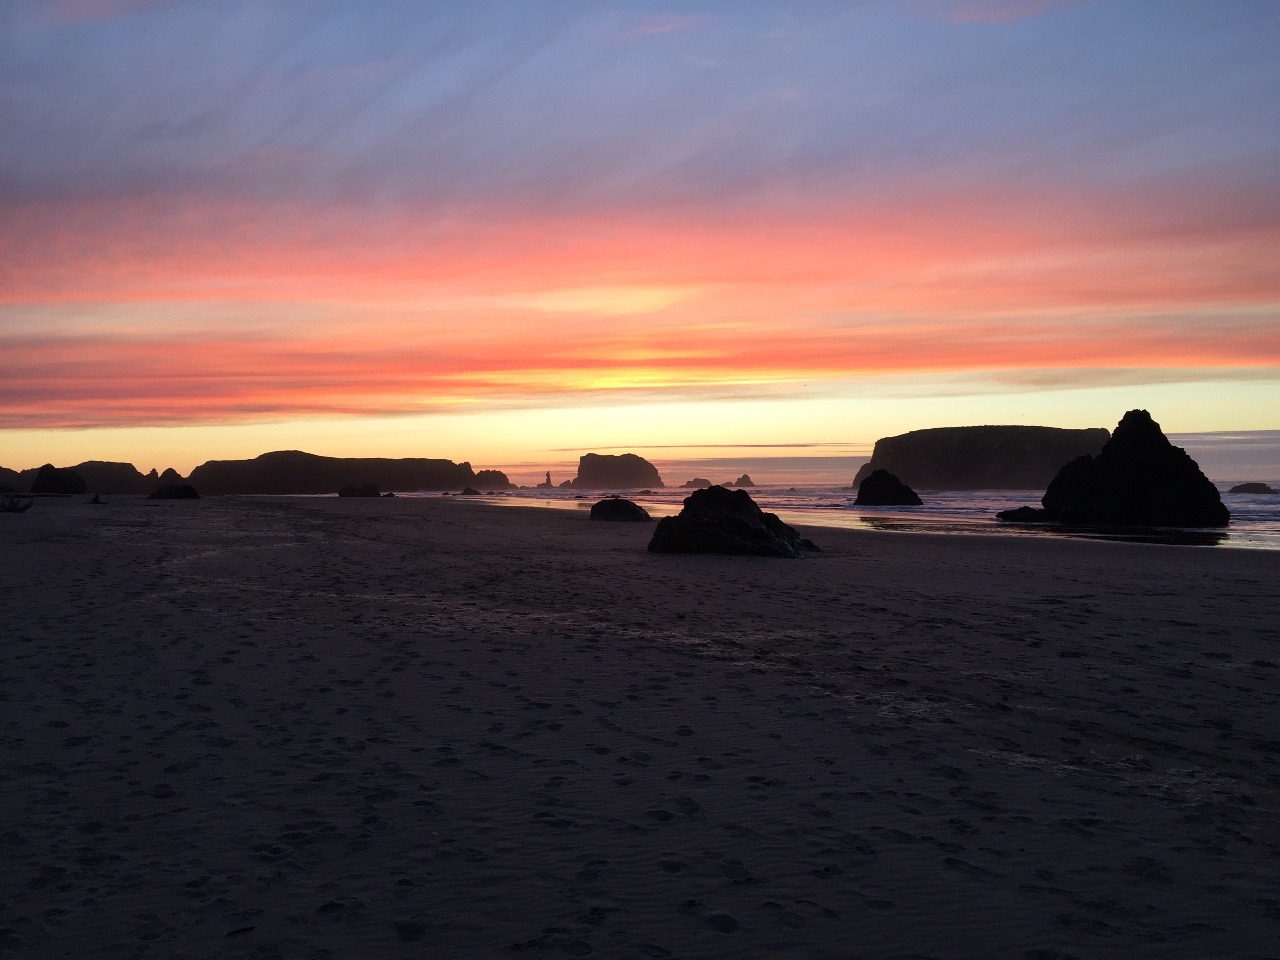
[(618, 508), (1262, 488), (1139, 479), (696, 483), (58, 480), (294, 472), (882, 489), (980, 458), (743, 481), (360, 490), (625, 471), (109, 477), (719, 520), (545, 484), (175, 491)]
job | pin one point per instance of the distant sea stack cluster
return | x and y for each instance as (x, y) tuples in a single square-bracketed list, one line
[(980, 458)]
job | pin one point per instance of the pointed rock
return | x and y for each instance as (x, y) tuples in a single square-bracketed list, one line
[(1139, 479)]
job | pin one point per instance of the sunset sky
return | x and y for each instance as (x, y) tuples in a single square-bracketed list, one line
[(509, 232)]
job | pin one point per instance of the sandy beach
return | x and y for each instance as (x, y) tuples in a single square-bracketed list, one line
[(251, 727)]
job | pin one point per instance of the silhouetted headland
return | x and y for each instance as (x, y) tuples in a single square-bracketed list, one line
[(294, 472), (980, 458)]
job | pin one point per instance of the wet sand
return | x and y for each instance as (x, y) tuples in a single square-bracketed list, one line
[(424, 728)]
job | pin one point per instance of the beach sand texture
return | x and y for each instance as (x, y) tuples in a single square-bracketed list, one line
[(429, 728)]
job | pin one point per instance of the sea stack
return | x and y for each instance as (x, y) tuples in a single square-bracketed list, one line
[(626, 471), (882, 489), (1139, 479)]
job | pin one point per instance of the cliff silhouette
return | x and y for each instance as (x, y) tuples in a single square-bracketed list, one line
[(286, 472), (981, 458), (281, 472)]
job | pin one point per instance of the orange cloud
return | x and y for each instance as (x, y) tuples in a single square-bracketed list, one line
[(308, 313)]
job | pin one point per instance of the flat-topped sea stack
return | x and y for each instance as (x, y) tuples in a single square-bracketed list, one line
[(719, 520), (294, 472), (882, 489), (606, 471), (981, 458), (1139, 479), (697, 483)]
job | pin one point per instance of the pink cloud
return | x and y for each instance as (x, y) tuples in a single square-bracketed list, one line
[(998, 11)]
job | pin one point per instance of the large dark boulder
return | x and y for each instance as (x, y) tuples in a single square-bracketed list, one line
[(980, 458), (882, 489), (58, 480), (1262, 488), (719, 520), (175, 491), (697, 483), (1139, 479), (626, 471), (618, 508), (360, 490), (743, 481)]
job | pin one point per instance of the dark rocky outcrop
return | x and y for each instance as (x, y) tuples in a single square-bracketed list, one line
[(545, 484), (882, 489), (1262, 488), (58, 480), (606, 471), (743, 481), (171, 475), (469, 492), (1024, 515), (1139, 479), (295, 472), (11, 481), (360, 490), (493, 480), (719, 520), (106, 476), (618, 508), (696, 483), (980, 458), (175, 491)]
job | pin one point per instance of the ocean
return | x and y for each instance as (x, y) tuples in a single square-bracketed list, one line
[(1255, 520)]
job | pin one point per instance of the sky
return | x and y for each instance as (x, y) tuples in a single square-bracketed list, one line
[(502, 231)]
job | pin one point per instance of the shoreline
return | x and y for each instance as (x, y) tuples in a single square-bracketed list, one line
[(423, 726)]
